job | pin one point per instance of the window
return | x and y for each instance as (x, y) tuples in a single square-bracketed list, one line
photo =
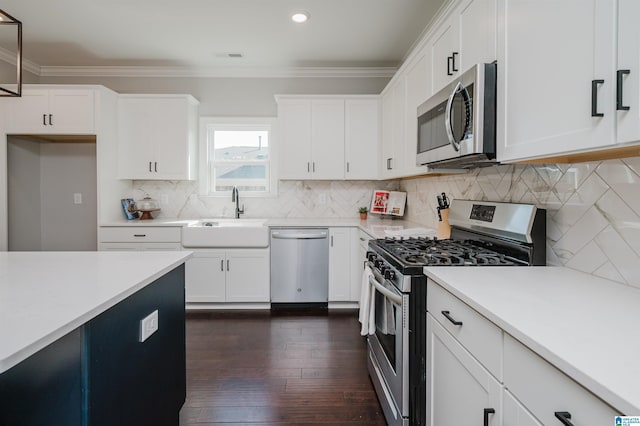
[(237, 152)]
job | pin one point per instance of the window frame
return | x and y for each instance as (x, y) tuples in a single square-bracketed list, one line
[(226, 123)]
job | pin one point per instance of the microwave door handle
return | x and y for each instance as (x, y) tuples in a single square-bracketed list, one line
[(447, 118)]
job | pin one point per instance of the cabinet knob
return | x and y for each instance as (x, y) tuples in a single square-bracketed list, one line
[(619, 104), (453, 62), (448, 316), (564, 417), (50, 119), (488, 411), (594, 98)]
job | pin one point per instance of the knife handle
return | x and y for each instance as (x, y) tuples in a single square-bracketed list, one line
[(439, 214)]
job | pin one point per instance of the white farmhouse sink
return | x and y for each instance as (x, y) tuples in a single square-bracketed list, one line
[(223, 233)]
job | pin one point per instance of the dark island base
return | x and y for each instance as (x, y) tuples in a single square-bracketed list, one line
[(100, 374)]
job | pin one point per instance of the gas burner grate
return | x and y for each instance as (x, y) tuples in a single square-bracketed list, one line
[(434, 252)]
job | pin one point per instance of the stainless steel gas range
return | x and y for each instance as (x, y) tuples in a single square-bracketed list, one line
[(482, 234)]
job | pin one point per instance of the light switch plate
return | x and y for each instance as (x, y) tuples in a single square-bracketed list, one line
[(148, 325), (77, 198)]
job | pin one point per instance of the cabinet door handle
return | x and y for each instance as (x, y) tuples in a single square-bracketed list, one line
[(388, 163), (139, 235), (332, 241), (449, 59), (308, 167), (347, 167), (594, 98), (155, 166), (227, 264), (44, 119), (453, 61), (488, 411), (222, 265), (564, 417), (50, 119), (149, 166), (313, 167), (620, 75), (450, 318)]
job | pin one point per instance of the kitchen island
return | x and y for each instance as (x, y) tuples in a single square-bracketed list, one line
[(70, 327)]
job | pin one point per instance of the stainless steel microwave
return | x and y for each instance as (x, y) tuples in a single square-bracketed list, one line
[(457, 125)]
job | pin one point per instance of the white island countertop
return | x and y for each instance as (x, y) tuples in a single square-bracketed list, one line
[(45, 295), (585, 326)]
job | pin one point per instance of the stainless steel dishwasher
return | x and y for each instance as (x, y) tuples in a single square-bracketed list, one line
[(299, 267)]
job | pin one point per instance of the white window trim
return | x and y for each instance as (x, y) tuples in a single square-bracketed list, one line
[(203, 166)]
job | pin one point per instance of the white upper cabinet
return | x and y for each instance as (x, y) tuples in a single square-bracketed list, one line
[(157, 137), (556, 79), (362, 136), (628, 72), (328, 137), (52, 111), (465, 38), (294, 117), (393, 123), (418, 91)]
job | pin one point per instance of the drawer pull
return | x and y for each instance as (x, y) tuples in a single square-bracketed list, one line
[(448, 316), (139, 235), (564, 417), (488, 411)]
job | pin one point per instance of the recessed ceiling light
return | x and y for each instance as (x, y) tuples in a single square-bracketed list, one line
[(300, 17)]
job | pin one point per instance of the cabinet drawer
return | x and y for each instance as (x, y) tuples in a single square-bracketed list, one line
[(545, 390), (140, 234), (477, 334)]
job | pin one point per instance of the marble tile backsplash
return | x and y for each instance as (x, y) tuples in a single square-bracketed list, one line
[(593, 209), (297, 199)]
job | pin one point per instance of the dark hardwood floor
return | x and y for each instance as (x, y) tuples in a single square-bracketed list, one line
[(277, 368)]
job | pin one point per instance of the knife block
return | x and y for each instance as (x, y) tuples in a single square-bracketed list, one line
[(444, 229)]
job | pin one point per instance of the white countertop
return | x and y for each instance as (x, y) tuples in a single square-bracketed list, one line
[(45, 295), (585, 326), (374, 226)]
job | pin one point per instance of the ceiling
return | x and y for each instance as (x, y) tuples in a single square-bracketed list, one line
[(197, 34)]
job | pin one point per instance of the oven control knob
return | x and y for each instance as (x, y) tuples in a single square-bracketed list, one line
[(377, 263), (384, 270), (390, 275), (371, 256)]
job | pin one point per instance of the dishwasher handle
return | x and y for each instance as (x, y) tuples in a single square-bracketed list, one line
[(299, 235)]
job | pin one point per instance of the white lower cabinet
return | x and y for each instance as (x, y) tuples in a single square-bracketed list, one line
[(547, 393), (515, 414), (498, 382), (344, 267), (459, 389), (134, 238), (216, 276)]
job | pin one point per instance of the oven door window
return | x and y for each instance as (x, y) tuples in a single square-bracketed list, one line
[(387, 327)]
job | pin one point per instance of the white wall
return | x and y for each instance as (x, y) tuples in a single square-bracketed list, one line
[(43, 178), (24, 209), (65, 169), (232, 97)]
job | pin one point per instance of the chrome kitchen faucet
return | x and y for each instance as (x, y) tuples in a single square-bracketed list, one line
[(235, 197)]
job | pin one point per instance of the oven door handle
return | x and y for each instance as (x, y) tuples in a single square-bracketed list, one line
[(395, 298)]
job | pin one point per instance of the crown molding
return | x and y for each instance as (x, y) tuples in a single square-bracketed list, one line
[(10, 57), (222, 72)]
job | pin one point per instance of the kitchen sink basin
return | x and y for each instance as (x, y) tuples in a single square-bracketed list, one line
[(224, 233)]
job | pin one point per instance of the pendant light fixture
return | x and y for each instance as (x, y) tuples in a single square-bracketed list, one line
[(10, 30)]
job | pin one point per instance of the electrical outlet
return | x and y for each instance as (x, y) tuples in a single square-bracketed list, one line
[(77, 198), (148, 325)]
